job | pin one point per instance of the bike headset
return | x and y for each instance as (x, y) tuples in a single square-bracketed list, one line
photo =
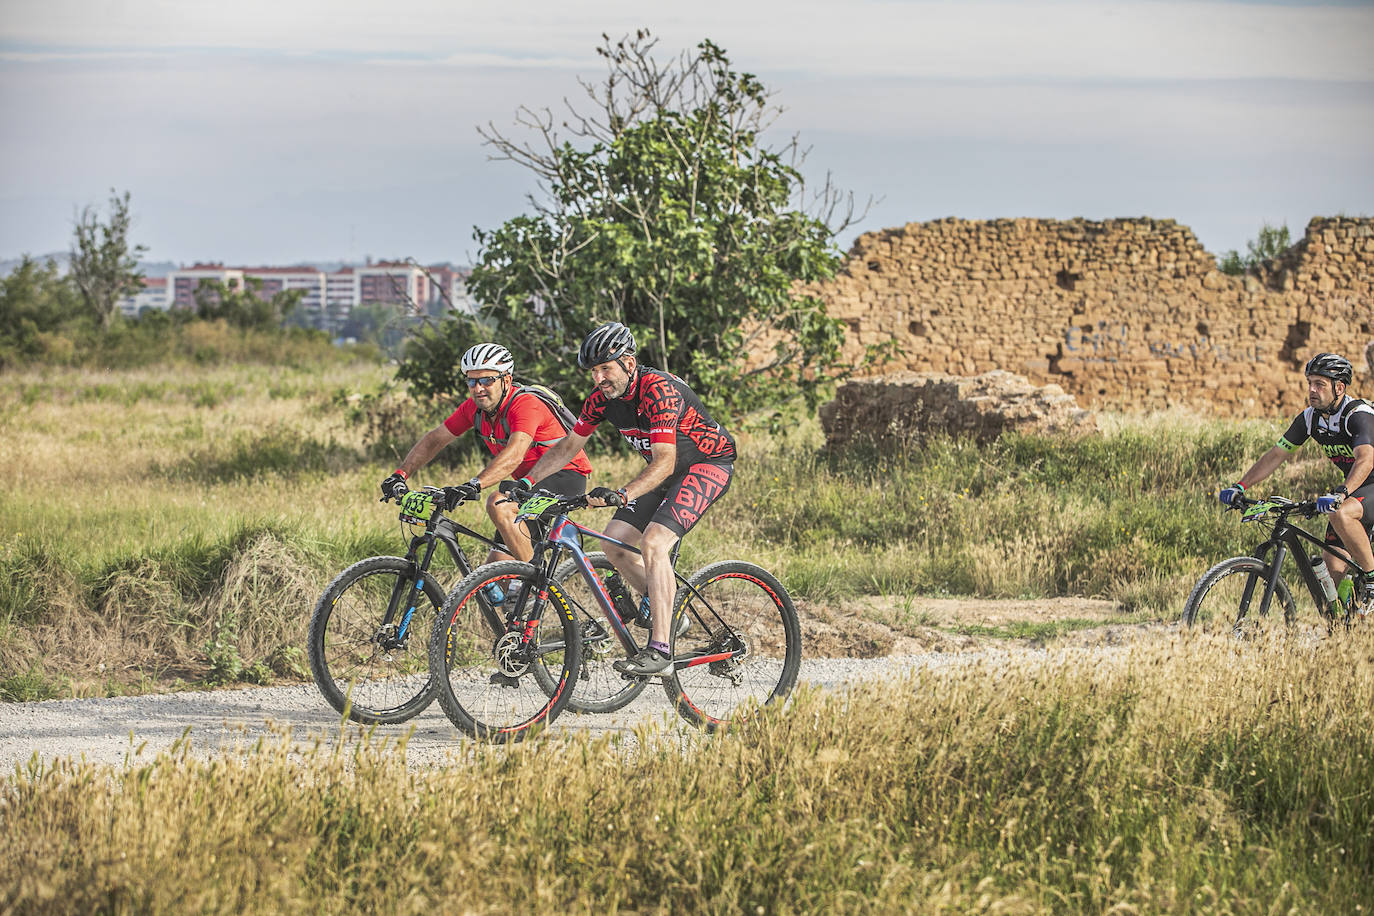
[(1332, 366)]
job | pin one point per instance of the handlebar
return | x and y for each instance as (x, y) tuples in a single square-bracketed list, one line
[(1284, 506)]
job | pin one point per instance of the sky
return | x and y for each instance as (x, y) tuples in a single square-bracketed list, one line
[(292, 131)]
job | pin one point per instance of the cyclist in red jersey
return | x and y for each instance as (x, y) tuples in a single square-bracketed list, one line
[(517, 428), (1344, 428), (690, 463)]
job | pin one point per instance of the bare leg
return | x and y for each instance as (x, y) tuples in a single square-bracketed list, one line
[(658, 560), (501, 509), (629, 563), (1346, 522)]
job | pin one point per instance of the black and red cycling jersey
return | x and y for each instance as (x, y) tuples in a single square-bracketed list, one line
[(659, 407)]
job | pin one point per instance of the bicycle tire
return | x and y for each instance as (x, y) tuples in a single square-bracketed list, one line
[(1219, 597), (485, 691), (742, 611), (599, 688), (356, 674)]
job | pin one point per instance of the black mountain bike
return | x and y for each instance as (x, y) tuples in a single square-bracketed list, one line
[(741, 650), (368, 642), (1240, 592)]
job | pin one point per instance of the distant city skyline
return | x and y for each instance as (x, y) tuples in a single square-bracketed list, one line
[(307, 131)]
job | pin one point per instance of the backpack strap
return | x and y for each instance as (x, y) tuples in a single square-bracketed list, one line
[(550, 400)]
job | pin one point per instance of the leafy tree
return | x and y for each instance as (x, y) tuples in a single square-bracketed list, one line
[(665, 210), (244, 306), (1272, 242), (103, 265), (34, 300)]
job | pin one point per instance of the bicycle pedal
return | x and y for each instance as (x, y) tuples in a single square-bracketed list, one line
[(503, 680)]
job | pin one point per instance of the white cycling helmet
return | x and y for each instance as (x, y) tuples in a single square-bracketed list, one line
[(488, 356)]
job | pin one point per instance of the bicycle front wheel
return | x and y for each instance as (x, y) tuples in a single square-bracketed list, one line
[(1230, 594), (599, 688), (366, 657), (483, 662), (743, 650)]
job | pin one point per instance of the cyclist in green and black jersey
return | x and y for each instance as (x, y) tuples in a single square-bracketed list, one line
[(1344, 428)]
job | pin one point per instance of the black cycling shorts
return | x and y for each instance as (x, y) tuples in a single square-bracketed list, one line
[(681, 500)]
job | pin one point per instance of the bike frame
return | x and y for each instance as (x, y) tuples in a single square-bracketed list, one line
[(1287, 537), (564, 537)]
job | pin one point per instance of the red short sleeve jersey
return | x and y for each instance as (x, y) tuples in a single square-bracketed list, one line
[(519, 412)]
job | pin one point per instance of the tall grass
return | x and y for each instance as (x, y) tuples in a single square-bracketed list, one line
[(135, 493), (1187, 775)]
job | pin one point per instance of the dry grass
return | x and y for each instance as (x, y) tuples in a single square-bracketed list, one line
[(1190, 775)]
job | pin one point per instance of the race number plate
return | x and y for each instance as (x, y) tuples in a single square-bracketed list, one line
[(537, 504), (417, 506)]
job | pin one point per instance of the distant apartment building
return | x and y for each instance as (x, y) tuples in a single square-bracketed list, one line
[(449, 290), (276, 280), (340, 295), (182, 284), (393, 283), (153, 295), (329, 298)]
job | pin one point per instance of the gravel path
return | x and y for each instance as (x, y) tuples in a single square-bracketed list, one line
[(133, 730)]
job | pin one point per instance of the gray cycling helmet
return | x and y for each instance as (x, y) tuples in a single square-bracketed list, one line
[(488, 356), (609, 342), (1332, 366)]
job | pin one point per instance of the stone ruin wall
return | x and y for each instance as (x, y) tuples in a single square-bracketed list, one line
[(1126, 314)]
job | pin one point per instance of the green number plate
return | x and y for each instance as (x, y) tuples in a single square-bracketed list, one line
[(417, 506), (1256, 511), (537, 504)]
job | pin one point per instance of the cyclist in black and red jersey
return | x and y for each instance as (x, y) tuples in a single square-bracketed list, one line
[(1344, 428), (517, 428), (690, 462)]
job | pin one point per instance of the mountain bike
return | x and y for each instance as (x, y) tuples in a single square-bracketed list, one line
[(1241, 591), (364, 652), (736, 640)]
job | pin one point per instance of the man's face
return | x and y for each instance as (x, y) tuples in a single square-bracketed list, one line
[(486, 387), (611, 378), (1322, 392)]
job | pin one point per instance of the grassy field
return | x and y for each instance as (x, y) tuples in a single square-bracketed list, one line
[(166, 527), (1188, 774)]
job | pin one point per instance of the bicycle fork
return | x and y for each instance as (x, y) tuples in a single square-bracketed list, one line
[(392, 636)]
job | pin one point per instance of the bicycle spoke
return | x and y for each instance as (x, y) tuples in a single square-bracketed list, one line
[(486, 680), (748, 652)]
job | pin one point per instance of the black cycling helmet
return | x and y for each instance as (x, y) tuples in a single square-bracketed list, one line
[(609, 342), (1332, 366)]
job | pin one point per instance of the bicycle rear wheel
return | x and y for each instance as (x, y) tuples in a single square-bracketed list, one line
[(361, 660), (484, 668), (744, 651), (1229, 596), (599, 687)]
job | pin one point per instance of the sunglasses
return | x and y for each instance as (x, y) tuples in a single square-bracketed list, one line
[(486, 382)]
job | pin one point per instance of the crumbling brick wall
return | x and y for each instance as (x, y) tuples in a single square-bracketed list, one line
[(1127, 314)]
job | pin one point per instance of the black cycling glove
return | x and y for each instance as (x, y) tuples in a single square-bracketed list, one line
[(455, 495), (394, 487), (608, 496)]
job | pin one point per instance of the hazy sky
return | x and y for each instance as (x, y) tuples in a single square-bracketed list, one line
[(274, 132)]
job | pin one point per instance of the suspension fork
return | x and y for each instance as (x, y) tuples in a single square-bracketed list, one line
[(529, 607), (410, 594), (1277, 547)]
